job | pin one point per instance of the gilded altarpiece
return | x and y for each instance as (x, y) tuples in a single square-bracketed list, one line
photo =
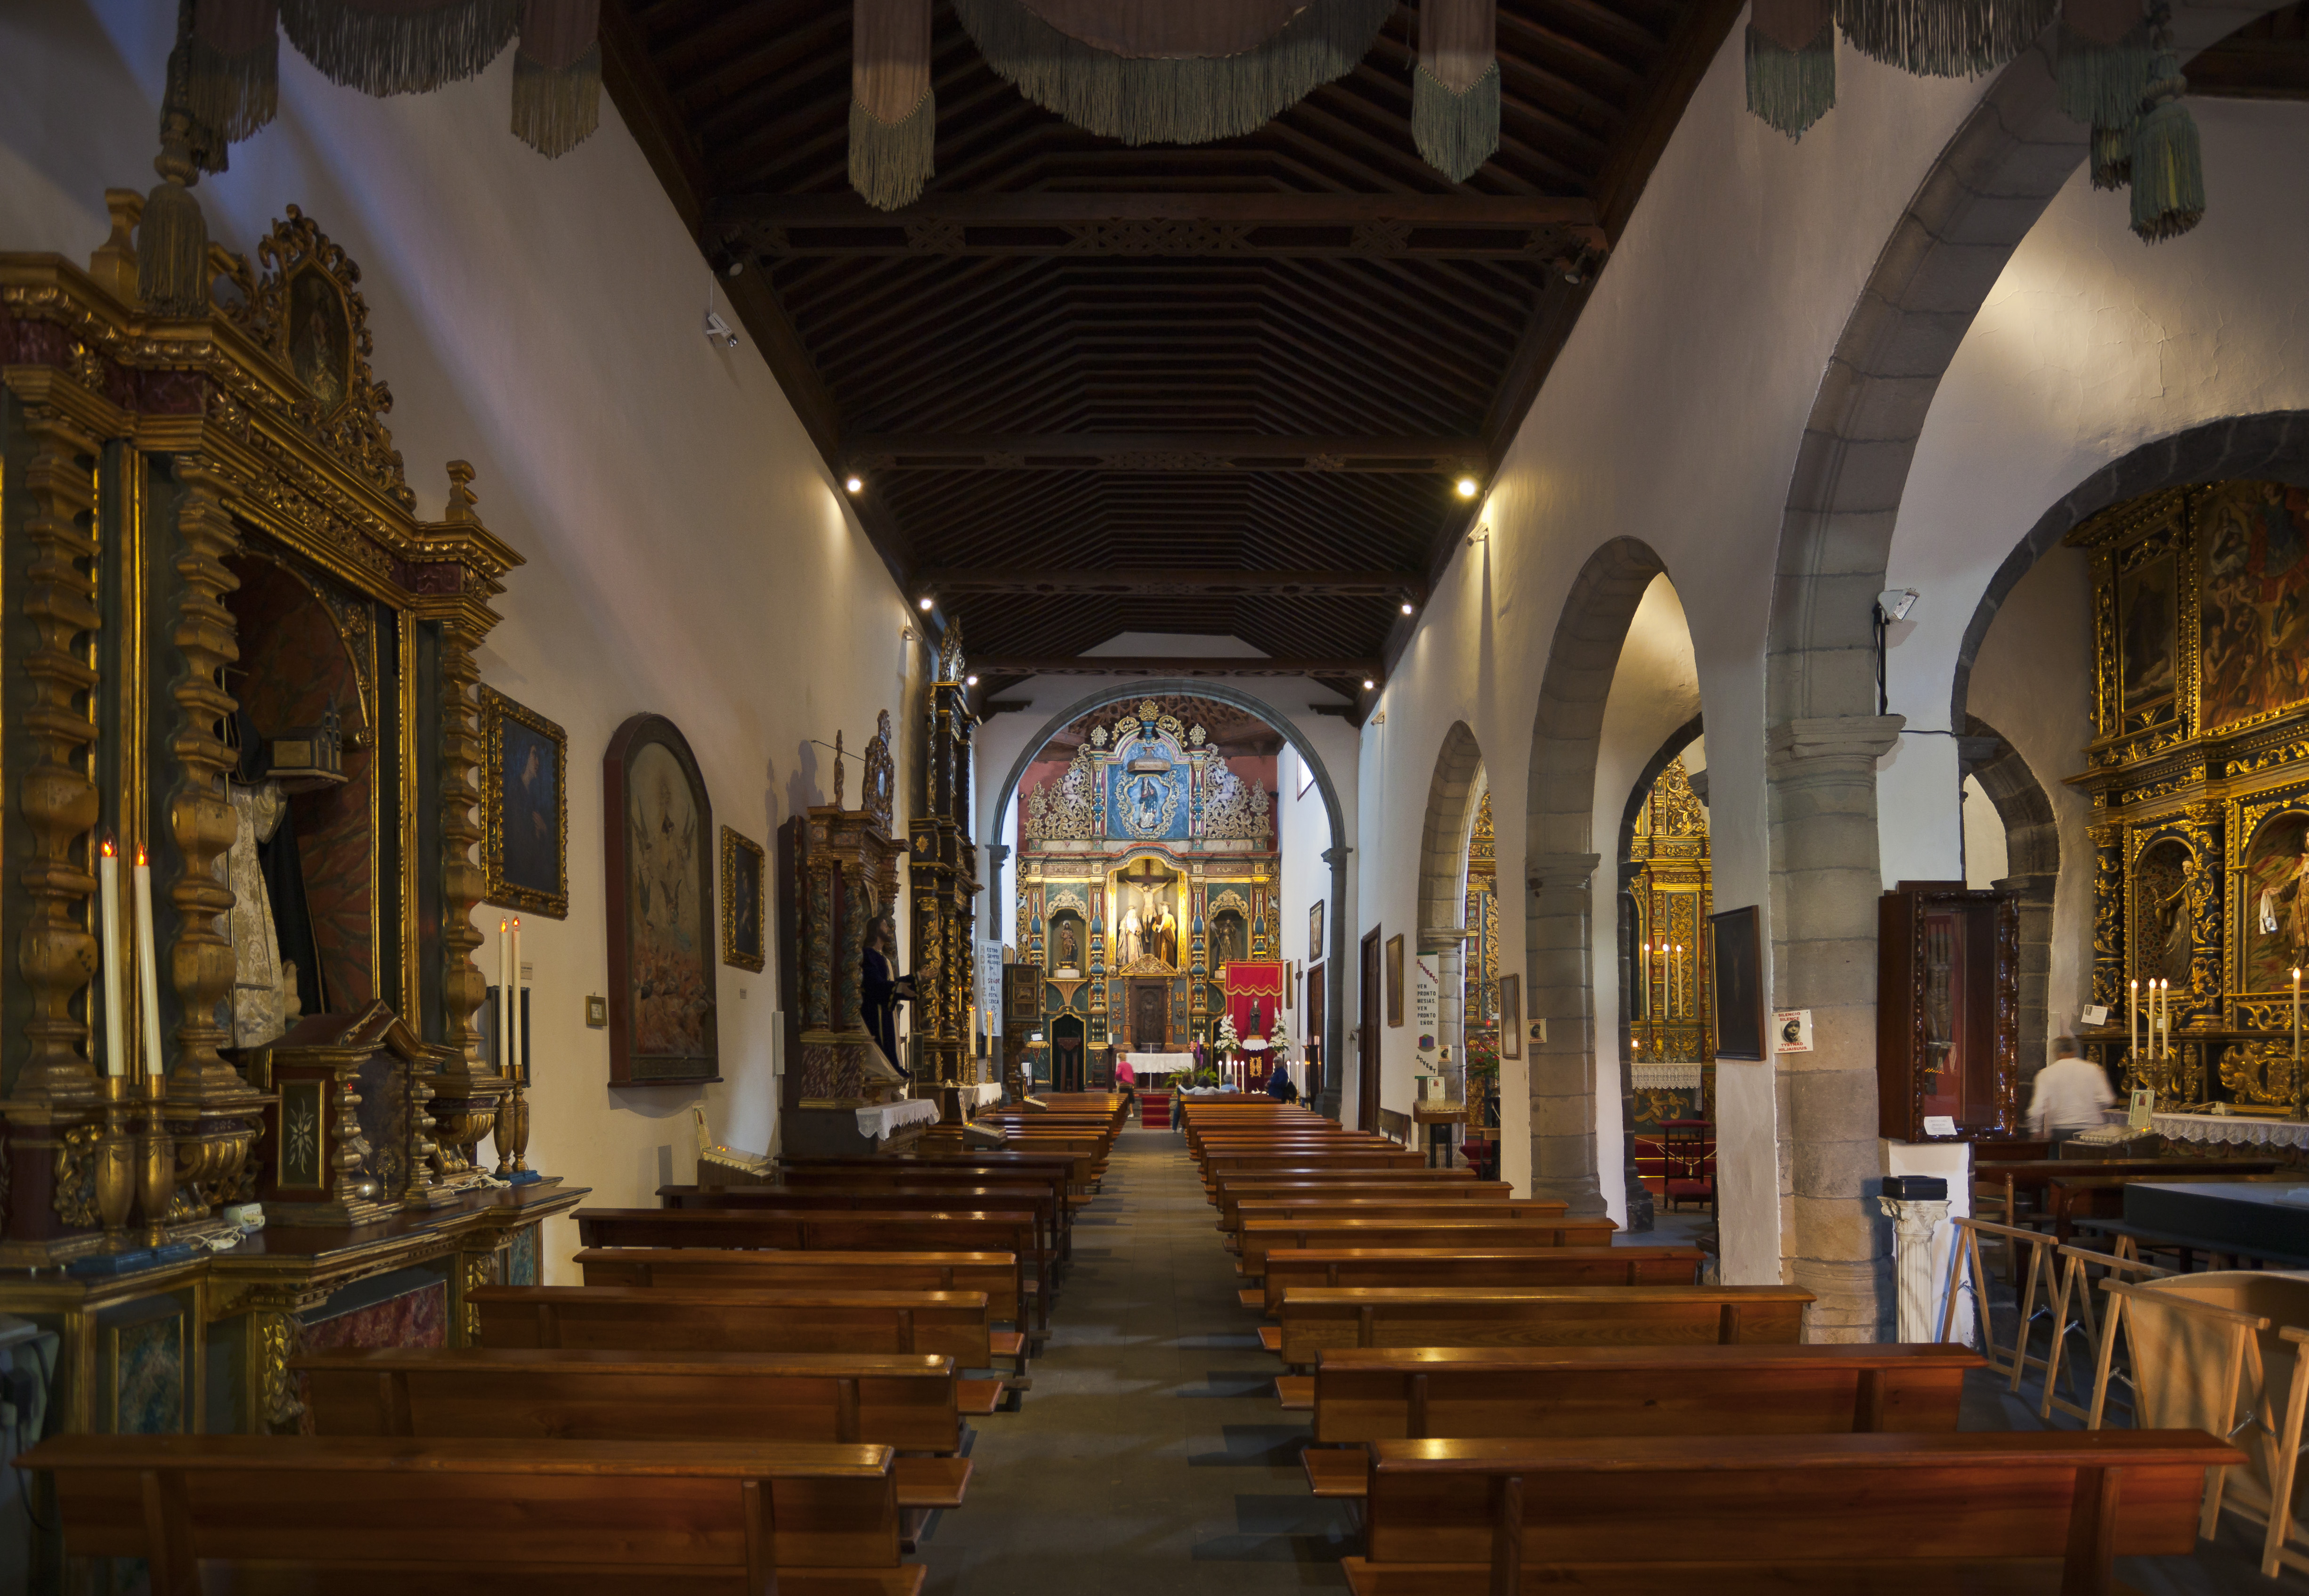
[(1670, 1034), (2199, 775), (1146, 867), (222, 611)]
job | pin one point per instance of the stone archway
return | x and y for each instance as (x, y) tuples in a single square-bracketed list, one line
[(1559, 867), (1453, 791)]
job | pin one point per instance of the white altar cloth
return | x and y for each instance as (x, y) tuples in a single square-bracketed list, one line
[(1664, 1077), (985, 1092), (1160, 1063), (2237, 1130), (879, 1121)]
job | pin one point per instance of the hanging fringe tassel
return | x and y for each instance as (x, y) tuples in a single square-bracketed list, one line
[(2112, 157), (2100, 84), (1456, 131), (400, 46), (1190, 100), (1791, 90), (2168, 168), (889, 164), (232, 77), (1942, 39), (172, 236), (557, 75)]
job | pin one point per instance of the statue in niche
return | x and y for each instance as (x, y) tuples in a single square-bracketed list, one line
[(2172, 927), (269, 921), (1169, 937), (1131, 941), (881, 989), (1066, 949)]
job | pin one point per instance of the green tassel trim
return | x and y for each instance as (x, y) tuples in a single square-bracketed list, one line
[(2102, 85), (1455, 130), (383, 52), (2168, 168), (2112, 157), (1165, 101), (890, 163), (1791, 90), (1943, 39), (556, 109), (232, 95), (172, 253)]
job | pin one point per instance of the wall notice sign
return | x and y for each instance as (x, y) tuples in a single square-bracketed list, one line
[(2096, 1014), (2143, 1105), (1427, 1009), (1792, 1030), (1939, 1124)]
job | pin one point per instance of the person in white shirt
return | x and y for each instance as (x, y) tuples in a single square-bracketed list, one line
[(2070, 1093)]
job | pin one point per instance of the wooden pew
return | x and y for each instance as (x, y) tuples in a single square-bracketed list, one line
[(788, 1230), (910, 1176), (1793, 1515), (1538, 1394), (906, 1403), (366, 1516), (1064, 1169), (994, 1273), (1221, 1165), (1374, 1186), (1334, 1267), (720, 1319), (1353, 1204), (1317, 1319), (1009, 1197), (1426, 1232)]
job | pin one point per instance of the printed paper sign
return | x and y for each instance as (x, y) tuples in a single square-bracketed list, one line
[(1939, 1124)]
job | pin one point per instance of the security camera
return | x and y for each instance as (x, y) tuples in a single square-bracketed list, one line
[(717, 331)]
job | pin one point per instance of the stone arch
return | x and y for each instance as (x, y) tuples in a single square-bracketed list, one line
[(1453, 792), (1335, 855), (2032, 868), (1559, 867), (1642, 1212)]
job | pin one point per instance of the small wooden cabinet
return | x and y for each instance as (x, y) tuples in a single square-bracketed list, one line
[(1948, 1011)]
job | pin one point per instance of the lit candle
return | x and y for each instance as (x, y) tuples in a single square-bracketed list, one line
[(513, 1066), (2132, 1020), (2165, 1015), (148, 968), (107, 886), (505, 993), (2296, 1015)]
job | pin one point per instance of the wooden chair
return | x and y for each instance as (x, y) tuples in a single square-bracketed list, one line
[(1926, 1515), (907, 1404), (1315, 1320), (377, 1516), (2072, 1313), (1535, 1393)]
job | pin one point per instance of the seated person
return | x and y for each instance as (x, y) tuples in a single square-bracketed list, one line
[(1278, 1084)]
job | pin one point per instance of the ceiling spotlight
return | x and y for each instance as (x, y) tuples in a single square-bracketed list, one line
[(1894, 603), (1407, 606), (970, 682), (925, 602), (853, 483), (1369, 684), (1469, 487), (717, 331)]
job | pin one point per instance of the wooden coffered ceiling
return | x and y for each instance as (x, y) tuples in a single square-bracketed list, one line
[(1224, 388)]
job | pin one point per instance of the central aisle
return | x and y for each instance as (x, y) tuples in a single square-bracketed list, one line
[(1150, 1456)]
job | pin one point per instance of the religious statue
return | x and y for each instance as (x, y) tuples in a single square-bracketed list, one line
[(1129, 937), (882, 990), (1067, 945), (265, 872), (2173, 926), (2294, 896), (1170, 936)]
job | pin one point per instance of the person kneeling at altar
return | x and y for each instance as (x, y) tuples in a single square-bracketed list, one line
[(882, 990), (2070, 1096)]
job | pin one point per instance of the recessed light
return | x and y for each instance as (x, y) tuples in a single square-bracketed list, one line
[(925, 602), (1369, 684), (970, 682), (854, 483), (1469, 487), (1407, 606)]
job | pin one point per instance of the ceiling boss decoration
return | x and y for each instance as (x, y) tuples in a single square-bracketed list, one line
[(1162, 72)]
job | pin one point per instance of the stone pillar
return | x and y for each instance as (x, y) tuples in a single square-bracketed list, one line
[(1558, 940), (997, 855), (2036, 892), (1643, 1213), (1335, 995), (1826, 880)]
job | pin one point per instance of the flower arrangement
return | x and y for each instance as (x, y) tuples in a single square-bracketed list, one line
[(1229, 1039)]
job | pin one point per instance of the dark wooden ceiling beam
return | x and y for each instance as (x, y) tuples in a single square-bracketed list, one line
[(1389, 585), (1086, 664), (1164, 452)]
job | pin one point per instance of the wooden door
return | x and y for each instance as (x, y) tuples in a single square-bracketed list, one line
[(1367, 1042), (1150, 1016)]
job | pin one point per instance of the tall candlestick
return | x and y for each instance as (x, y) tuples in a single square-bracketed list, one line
[(2297, 1017), (116, 1031), (2133, 1021), (505, 993), (148, 969), (513, 1066), (2165, 1016)]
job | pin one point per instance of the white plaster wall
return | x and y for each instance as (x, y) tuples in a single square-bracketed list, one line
[(1303, 832), (1987, 858), (686, 553)]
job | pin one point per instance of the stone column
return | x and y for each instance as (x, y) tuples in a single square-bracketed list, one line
[(997, 855), (1643, 1213), (1558, 938), (2036, 892), (1826, 880)]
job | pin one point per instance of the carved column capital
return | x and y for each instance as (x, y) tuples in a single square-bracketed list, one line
[(1545, 872), (1840, 737)]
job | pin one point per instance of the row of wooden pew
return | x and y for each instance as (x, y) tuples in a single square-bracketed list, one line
[(757, 1388), (1515, 1405)]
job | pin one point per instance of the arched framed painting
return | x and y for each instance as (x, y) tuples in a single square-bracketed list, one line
[(659, 839)]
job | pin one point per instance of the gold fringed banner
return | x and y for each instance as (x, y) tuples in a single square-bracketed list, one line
[(1455, 95), (892, 111), (1791, 58), (232, 77), (2103, 63), (1943, 39), (172, 236), (1172, 29), (557, 74), (400, 46)]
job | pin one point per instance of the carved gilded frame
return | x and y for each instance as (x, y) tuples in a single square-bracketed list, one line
[(2269, 1008), (736, 850), (498, 712)]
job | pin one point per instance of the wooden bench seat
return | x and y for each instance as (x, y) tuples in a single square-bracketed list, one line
[(1224, 1164), (994, 1273), (1438, 1231), (906, 1403), (370, 1516), (1639, 1515), (1362, 1395), (1010, 1160), (1286, 1267), (1315, 1319), (1050, 1216), (1373, 1187), (914, 1176), (1358, 1206), (804, 1230)]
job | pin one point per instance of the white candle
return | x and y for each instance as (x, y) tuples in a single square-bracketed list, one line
[(107, 886), (148, 968), (2297, 1014), (2133, 1021), (514, 1058), (505, 993)]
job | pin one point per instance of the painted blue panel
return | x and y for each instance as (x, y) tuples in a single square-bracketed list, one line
[(1147, 806)]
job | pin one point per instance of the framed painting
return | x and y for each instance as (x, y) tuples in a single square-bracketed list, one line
[(525, 809), (744, 907), (657, 829), (1739, 966), (2252, 619), (1394, 979), (1511, 1016), (1315, 932)]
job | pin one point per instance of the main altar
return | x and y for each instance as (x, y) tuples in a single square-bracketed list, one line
[(2199, 773), (243, 740)]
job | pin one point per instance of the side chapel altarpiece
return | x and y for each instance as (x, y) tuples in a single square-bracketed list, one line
[(229, 640)]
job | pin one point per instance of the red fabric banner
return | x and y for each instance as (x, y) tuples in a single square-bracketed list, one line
[(1258, 983)]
